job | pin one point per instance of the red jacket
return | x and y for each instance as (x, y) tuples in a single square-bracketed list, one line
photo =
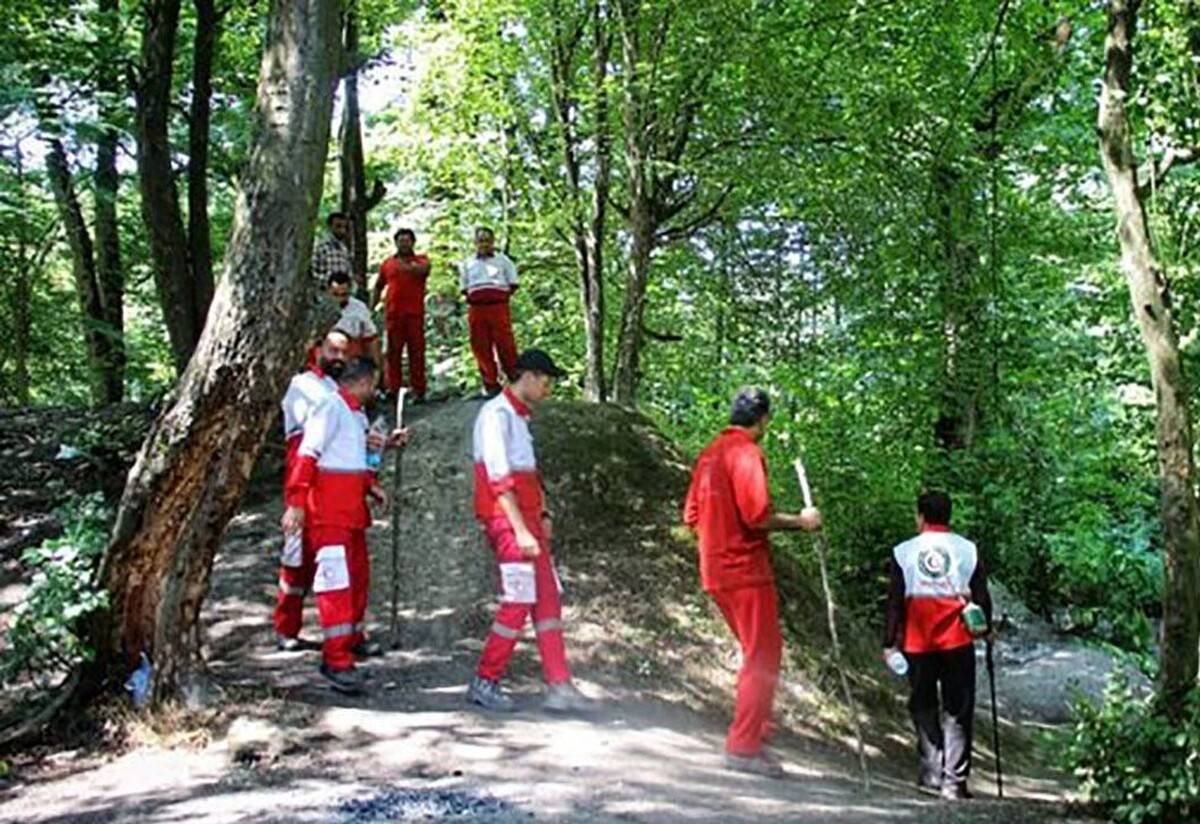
[(505, 460), (405, 289), (727, 503)]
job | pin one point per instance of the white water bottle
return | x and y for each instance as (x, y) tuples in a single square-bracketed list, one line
[(375, 456), (897, 663)]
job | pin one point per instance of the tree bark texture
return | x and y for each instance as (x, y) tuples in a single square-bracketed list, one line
[(1149, 294), (110, 278), (356, 201), (194, 466), (156, 176), (199, 231)]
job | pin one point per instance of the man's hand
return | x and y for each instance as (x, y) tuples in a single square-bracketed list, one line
[(376, 440), (528, 544), (293, 519), (810, 519), (378, 496), (398, 437)]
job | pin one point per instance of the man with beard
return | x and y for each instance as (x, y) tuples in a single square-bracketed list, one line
[(355, 320), (331, 254), (298, 563)]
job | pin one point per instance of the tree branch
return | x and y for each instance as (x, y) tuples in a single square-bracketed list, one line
[(686, 230), (1153, 174)]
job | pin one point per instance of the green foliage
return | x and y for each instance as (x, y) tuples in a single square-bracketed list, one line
[(1136, 762), (45, 635)]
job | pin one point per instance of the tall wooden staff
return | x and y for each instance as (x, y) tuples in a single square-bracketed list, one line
[(395, 630), (830, 611)]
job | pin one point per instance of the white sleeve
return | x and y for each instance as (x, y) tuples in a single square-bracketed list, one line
[(493, 441), (320, 429), (369, 329)]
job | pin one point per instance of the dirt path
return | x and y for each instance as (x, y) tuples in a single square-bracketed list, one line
[(287, 749)]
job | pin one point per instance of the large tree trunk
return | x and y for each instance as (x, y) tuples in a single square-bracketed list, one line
[(633, 303), (199, 231), (593, 275), (193, 468), (356, 201), (109, 275), (156, 174), (1148, 292)]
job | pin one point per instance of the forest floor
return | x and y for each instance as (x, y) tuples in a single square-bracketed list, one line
[(271, 743)]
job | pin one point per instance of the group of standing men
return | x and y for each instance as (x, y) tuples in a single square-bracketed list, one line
[(331, 479), (487, 280)]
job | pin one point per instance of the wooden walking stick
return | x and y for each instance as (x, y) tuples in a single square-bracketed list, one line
[(830, 611), (395, 628)]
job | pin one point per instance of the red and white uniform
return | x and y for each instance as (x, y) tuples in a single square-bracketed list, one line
[(330, 480), (404, 319), (505, 462), (938, 567), (359, 326), (488, 283), (304, 394), (727, 502)]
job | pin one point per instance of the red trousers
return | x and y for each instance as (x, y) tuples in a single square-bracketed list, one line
[(491, 334), (341, 582), (295, 580), (405, 331), (529, 586), (752, 614)]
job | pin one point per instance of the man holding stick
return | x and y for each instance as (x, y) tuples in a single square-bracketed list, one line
[(729, 507)]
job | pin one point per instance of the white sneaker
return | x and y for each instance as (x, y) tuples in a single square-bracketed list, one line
[(489, 695), (565, 697)]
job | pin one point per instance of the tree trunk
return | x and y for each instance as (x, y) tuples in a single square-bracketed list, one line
[(194, 466), (199, 231), (593, 274), (356, 201), (110, 279), (633, 303), (83, 266), (156, 175), (1148, 292)]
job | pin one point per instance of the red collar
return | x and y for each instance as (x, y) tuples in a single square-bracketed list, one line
[(935, 528), (517, 404), (354, 403), (317, 370), (738, 432)]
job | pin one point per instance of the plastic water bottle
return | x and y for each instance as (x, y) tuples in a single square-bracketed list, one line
[(375, 455), (975, 619), (897, 663), (138, 684)]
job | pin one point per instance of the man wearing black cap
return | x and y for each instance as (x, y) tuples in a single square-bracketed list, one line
[(729, 507), (510, 506)]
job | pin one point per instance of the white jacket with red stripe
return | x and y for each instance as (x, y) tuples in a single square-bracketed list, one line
[(330, 478), (488, 279), (938, 567), (304, 394), (505, 460)]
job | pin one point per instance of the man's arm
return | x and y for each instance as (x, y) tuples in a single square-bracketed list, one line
[(377, 291), (526, 541), (808, 520), (979, 588), (893, 625)]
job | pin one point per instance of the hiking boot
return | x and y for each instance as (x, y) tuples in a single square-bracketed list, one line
[(956, 792), (489, 695), (291, 643), (348, 681), (566, 697), (762, 764), (367, 649), (929, 784)]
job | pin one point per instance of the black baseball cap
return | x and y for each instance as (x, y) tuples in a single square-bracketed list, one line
[(536, 360)]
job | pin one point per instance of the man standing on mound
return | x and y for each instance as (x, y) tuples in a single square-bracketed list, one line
[(729, 506), (512, 511)]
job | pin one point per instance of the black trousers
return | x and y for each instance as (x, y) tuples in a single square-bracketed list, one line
[(943, 710)]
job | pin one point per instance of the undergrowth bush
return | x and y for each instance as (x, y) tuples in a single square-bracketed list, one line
[(1134, 761), (44, 638)]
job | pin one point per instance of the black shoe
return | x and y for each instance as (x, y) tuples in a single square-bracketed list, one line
[(417, 400), (367, 649), (956, 792), (348, 681)]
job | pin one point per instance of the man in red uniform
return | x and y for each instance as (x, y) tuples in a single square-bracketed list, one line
[(404, 275), (933, 576), (510, 506), (327, 491), (305, 393), (729, 506), (488, 279)]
